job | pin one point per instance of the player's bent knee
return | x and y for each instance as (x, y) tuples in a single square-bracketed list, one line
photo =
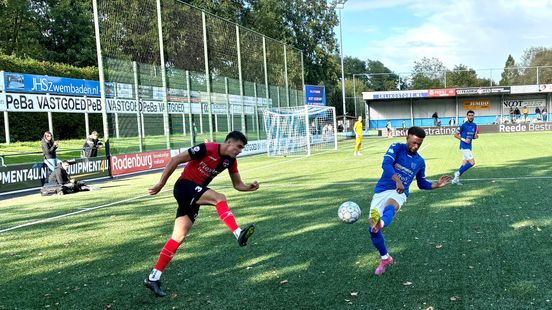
[(220, 197), (394, 203)]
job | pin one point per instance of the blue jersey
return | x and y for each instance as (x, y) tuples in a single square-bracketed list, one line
[(406, 165), (467, 131)]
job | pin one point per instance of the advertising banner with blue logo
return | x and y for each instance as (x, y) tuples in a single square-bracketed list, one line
[(30, 83), (315, 95)]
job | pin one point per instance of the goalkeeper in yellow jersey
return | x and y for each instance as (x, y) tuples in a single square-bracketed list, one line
[(358, 135)]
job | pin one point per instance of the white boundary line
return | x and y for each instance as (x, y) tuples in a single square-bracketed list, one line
[(424, 147), (265, 184), (48, 219)]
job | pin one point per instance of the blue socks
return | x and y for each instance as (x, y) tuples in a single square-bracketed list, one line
[(379, 242), (377, 239), (388, 214), (465, 167)]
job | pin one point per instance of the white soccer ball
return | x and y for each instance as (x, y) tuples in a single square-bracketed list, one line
[(348, 212)]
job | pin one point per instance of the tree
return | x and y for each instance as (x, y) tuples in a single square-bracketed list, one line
[(353, 65), (532, 58), (305, 24), (428, 73), (461, 76), (67, 31), (52, 30), (19, 34), (232, 10), (511, 72), (380, 77)]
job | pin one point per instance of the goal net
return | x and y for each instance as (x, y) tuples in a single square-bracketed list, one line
[(300, 130)]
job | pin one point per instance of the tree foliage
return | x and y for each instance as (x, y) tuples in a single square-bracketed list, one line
[(380, 77), (428, 73), (532, 58), (67, 33), (511, 73), (19, 34), (353, 65), (463, 76), (51, 30)]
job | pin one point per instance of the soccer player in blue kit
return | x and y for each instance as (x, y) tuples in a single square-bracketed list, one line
[(401, 164), (466, 133)]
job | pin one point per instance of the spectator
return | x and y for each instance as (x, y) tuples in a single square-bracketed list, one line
[(60, 178), (358, 130), (538, 113), (194, 133), (388, 127), (517, 113), (544, 113), (314, 128), (326, 132), (525, 113), (452, 122), (330, 129), (49, 147), (91, 145), (403, 125), (512, 115), (435, 119)]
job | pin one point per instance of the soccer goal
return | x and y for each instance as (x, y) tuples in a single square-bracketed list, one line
[(300, 130)]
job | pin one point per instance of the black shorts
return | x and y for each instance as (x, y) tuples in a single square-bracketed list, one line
[(186, 194)]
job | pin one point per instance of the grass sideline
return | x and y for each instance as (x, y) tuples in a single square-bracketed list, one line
[(483, 244)]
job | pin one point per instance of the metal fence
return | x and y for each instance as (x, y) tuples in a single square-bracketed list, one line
[(175, 75)]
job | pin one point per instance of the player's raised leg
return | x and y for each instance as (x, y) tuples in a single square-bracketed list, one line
[(182, 225), (377, 221), (225, 214)]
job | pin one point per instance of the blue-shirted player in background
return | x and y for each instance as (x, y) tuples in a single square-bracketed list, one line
[(401, 164), (466, 133)]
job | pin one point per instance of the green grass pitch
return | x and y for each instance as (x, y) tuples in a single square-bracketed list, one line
[(485, 244)]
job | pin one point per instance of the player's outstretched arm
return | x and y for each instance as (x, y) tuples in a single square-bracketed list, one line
[(443, 181), (169, 169), (242, 187)]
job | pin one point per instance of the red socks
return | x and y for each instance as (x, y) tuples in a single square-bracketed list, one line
[(226, 215), (166, 254), (171, 246)]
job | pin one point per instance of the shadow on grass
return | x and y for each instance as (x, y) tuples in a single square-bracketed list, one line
[(482, 244)]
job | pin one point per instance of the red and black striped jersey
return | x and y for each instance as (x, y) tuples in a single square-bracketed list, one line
[(207, 163)]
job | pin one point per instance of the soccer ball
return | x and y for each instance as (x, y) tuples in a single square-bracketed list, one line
[(348, 212)]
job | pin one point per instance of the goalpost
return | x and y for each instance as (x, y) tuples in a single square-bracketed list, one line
[(300, 130)]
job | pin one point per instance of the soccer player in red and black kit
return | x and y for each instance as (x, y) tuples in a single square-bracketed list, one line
[(205, 161)]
